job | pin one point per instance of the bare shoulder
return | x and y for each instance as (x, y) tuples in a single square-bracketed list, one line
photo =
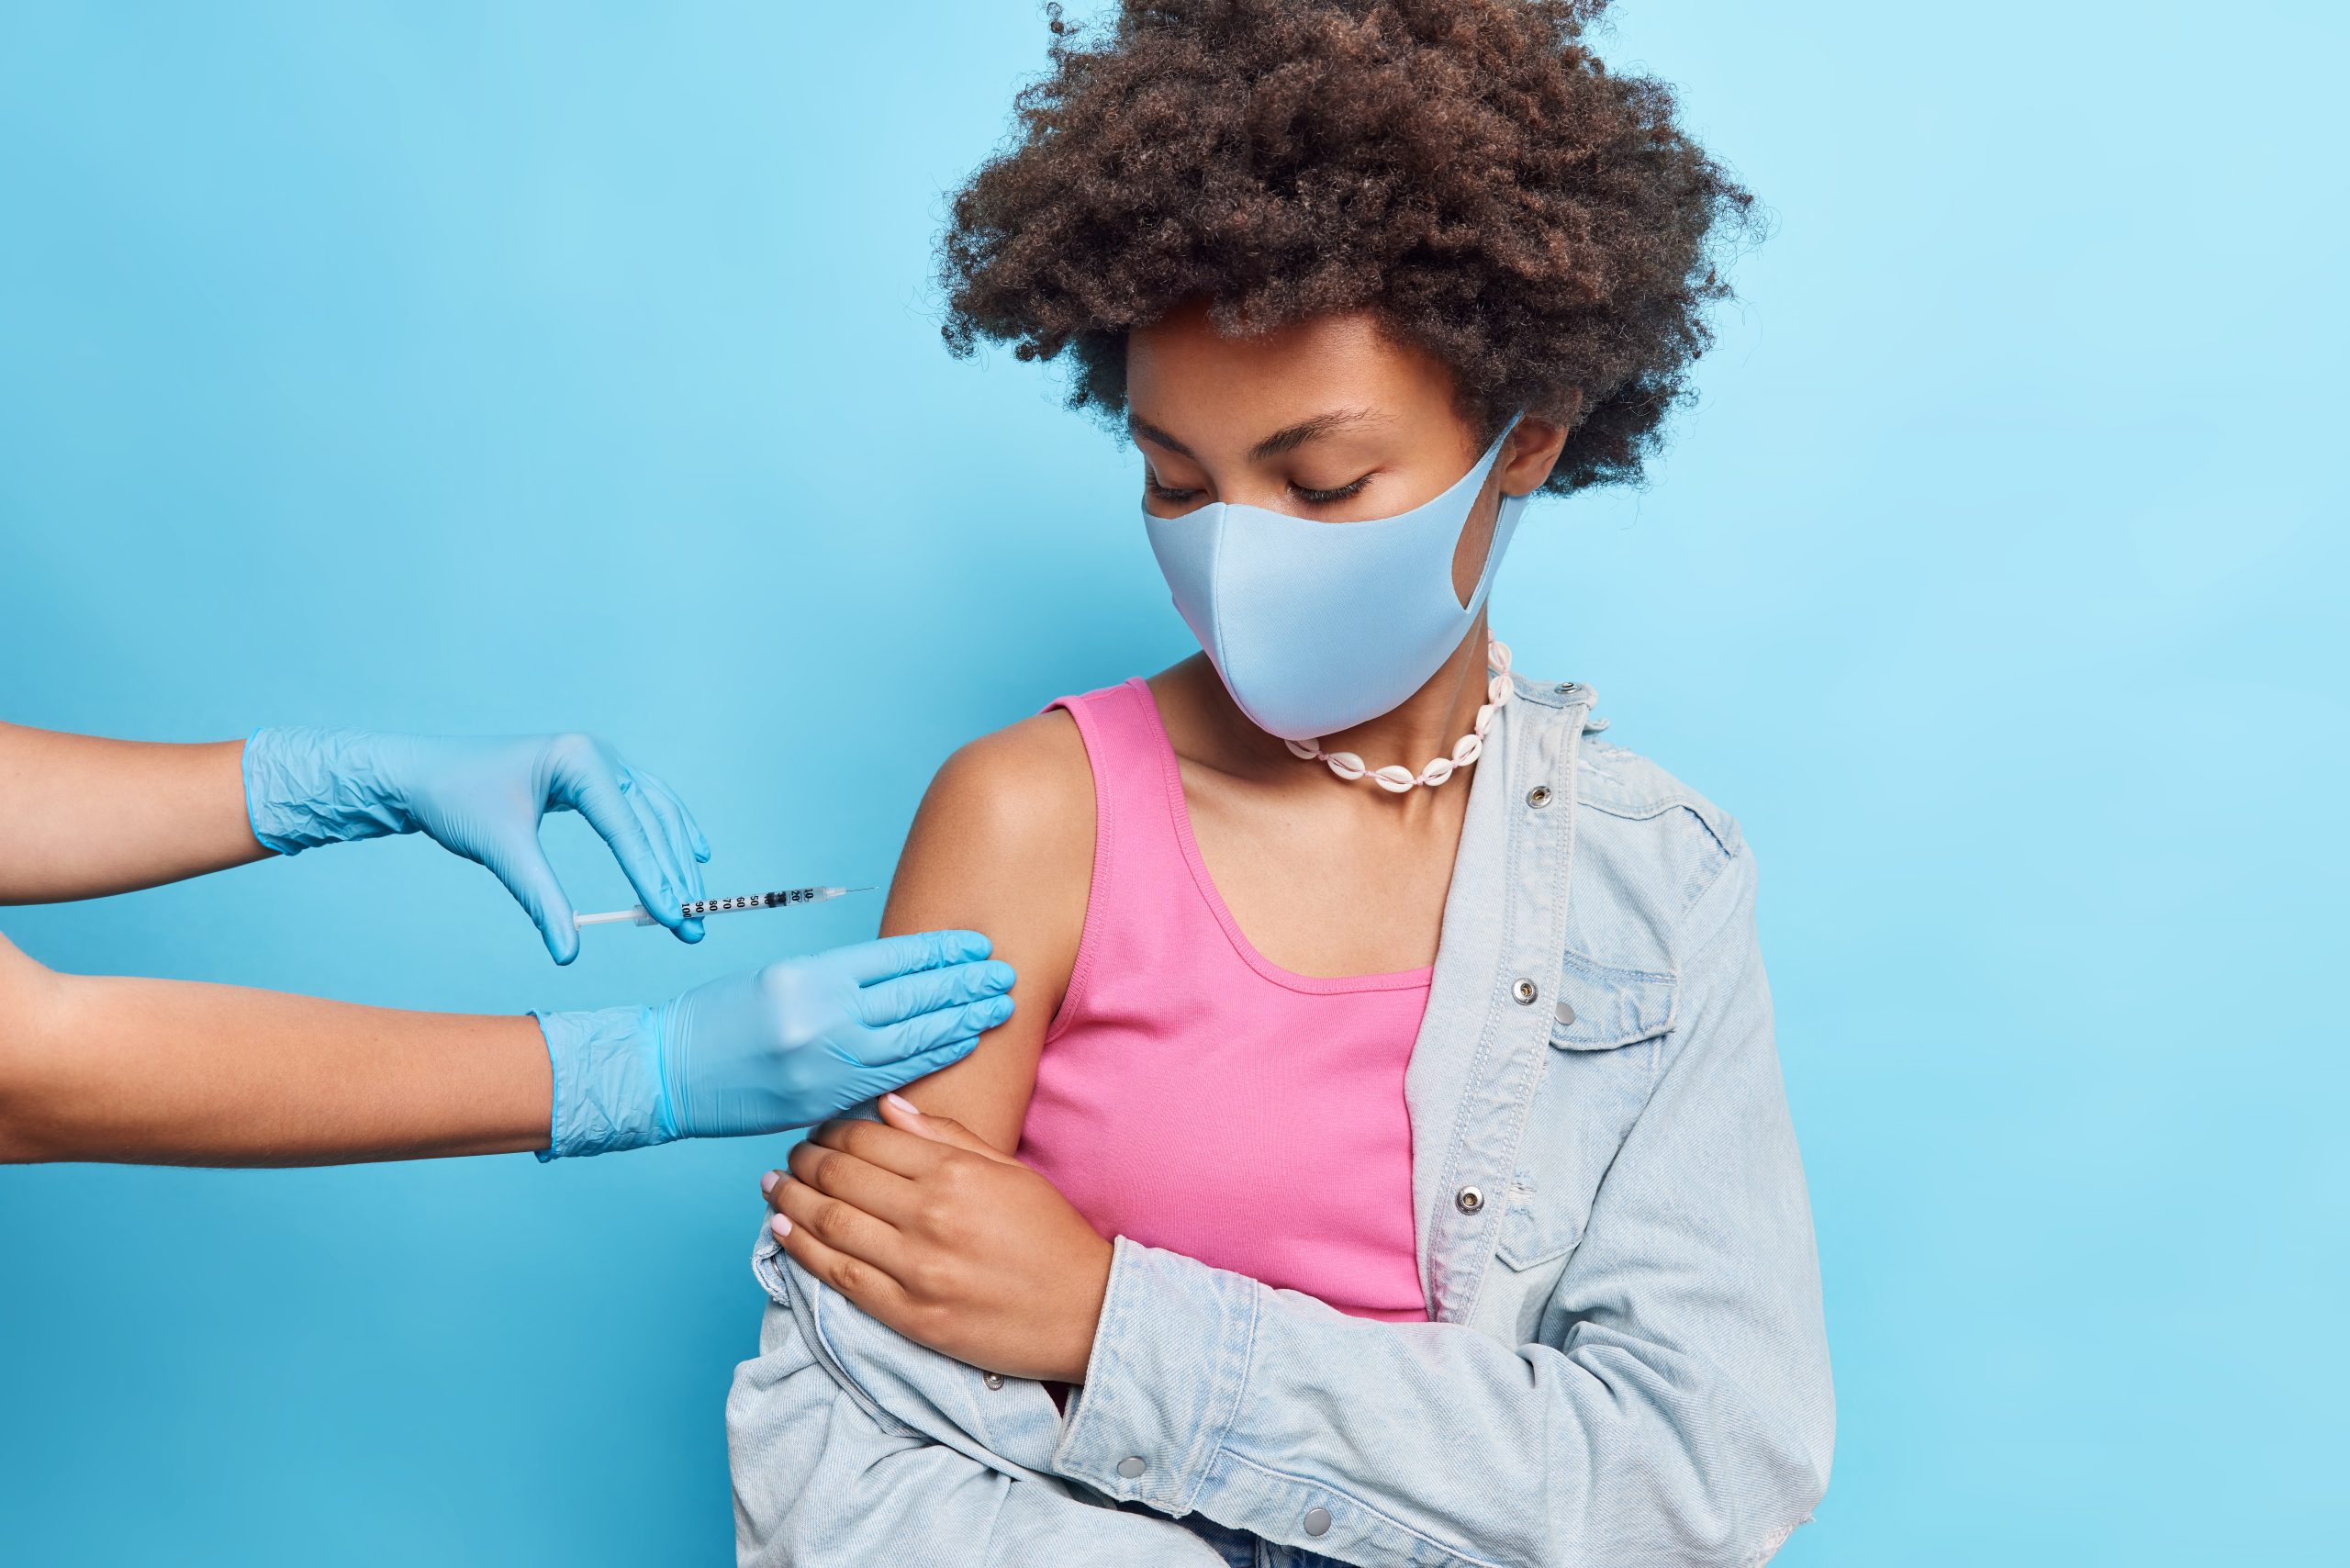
[(1025, 788), (1003, 844)]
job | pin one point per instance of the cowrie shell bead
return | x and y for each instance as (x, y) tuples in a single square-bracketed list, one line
[(1396, 779)]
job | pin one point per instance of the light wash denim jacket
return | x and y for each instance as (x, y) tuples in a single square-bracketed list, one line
[(1627, 1364)]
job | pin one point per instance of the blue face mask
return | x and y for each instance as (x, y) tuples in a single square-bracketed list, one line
[(1317, 627)]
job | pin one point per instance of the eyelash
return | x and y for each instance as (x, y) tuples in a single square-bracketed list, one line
[(1323, 497), (1315, 498)]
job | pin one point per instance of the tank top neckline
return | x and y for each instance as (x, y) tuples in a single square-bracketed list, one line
[(1171, 771)]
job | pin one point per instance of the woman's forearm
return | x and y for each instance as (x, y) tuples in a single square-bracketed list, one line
[(82, 817), (178, 1072)]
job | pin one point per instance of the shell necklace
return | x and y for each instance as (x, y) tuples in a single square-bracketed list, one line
[(1395, 778)]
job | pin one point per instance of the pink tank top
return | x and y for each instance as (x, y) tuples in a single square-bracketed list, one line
[(1193, 1095)]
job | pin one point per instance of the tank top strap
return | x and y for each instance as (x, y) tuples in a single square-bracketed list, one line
[(1127, 747), (1138, 857)]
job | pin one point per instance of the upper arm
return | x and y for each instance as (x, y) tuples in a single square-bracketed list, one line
[(27, 992), (1003, 844)]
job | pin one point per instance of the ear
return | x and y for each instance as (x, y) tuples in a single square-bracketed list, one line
[(1534, 447)]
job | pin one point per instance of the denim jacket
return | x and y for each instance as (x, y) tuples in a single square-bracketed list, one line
[(1626, 1362)]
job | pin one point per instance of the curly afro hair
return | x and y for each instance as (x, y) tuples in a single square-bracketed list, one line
[(1466, 170)]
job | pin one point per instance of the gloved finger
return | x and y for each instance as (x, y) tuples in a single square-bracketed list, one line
[(928, 1031), (906, 1069), (926, 991), (676, 856), (523, 868), (658, 801), (596, 790), (869, 962), (675, 810)]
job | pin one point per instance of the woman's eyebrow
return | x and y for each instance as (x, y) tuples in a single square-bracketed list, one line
[(1286, 440), (1143, 430), (1314, 429)]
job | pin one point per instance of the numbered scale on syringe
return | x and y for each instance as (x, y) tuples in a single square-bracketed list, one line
[(700, 907)]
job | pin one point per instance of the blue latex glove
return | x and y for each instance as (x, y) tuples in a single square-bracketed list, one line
[(480, 797), (766, 1049)]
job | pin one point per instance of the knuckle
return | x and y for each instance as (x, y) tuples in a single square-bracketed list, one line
[(930, 1277), (833, 1222), (851, 1278)]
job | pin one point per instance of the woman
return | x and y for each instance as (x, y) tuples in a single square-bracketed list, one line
[(1410, 1048)]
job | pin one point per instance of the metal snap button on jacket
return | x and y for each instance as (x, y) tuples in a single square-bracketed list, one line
[(1469, 1199), (1317, 1521), (994, 1380), (1130, 1467), (1538, 797), (1566, 1014), (1525, 990)]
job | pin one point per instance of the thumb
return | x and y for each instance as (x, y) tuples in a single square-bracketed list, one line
[(523, 868), (900, 1113)]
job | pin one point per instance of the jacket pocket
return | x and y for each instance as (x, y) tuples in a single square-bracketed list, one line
[(1608, 1027)]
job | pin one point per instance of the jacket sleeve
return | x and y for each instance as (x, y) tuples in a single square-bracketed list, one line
[(1684, 1416), (825, 1474)]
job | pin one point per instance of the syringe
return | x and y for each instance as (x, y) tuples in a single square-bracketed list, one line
[(699, 907)]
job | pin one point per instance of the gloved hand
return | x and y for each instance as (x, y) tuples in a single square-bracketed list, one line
[(771, 1049), (480, 797)]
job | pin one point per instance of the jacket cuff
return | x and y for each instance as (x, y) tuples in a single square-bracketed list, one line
[(1169, 1361)]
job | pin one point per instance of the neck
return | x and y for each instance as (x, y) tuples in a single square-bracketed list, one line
[(1432, 719), (1428, 724)]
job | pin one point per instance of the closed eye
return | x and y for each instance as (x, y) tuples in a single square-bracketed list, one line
[(1323, 497)]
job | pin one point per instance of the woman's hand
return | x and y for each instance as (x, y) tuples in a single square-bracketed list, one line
[(950, 1242)]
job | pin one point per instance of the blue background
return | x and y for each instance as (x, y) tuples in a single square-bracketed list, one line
[(520, 367)]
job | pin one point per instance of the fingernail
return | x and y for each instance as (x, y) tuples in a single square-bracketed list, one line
[(691, 931), (767, 1181), (902, 1104), (1001, 974), (780, 1226), (1002, 1007)]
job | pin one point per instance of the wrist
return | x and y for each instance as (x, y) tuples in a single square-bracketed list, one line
[(1084, 1317), (305, 787), (608, 1094)]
